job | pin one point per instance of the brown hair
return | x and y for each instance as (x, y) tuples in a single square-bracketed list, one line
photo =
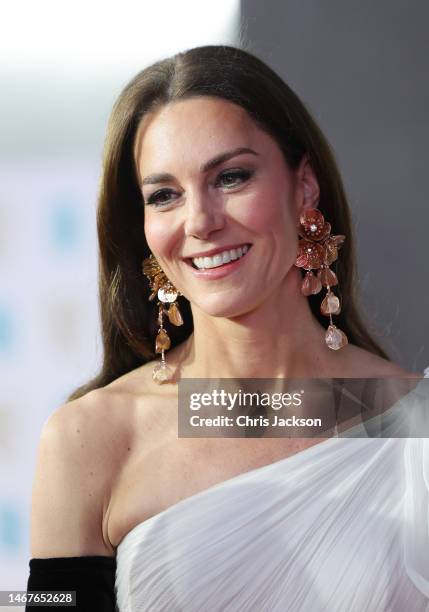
[(127, 318)]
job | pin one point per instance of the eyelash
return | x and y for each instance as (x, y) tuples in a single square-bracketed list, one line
[(244, 175)]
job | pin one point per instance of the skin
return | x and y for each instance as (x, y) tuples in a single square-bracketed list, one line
[(257, 310), (115, 451)]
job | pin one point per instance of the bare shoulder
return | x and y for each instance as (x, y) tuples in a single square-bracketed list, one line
[(77, 460), (361, 363)]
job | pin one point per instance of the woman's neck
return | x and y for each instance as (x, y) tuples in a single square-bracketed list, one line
[(279, 339)]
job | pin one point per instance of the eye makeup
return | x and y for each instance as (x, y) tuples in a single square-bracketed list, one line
[(227, 179)]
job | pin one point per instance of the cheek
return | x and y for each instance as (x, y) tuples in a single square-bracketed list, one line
[(270, 217), (269, 213), (158, 233)]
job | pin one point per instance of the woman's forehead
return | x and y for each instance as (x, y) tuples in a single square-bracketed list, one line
[(205, 124)]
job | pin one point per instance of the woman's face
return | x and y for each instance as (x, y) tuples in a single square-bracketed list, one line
[(212, 180)]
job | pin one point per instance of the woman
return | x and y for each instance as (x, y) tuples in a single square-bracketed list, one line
[(218, 180)]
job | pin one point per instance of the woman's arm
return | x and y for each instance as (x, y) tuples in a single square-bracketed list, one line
[(69, 544)]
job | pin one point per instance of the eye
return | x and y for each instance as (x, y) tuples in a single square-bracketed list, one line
[(160, 197), (232, 178)]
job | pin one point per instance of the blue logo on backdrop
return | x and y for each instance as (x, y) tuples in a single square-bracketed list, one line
[(10, 528), (6, 330), (64, 223)]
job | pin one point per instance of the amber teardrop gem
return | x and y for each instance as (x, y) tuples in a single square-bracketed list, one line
[(327, 277), (174, 315), (162, 341), (310, 284), (330, 304), (162, 373), (335, 338)]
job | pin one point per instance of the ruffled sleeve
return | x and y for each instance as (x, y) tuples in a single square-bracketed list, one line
[(416, 507)]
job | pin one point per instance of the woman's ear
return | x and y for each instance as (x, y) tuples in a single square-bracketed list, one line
[(307, 186)]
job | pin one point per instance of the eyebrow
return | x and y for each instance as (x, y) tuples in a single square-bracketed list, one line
[(154, 179)]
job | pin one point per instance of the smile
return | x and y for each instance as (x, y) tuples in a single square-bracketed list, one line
[(220, 259)]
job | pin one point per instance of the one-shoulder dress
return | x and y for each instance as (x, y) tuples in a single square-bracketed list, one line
[(341, 526)]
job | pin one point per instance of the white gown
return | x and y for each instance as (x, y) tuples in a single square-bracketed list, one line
[(341, 526)]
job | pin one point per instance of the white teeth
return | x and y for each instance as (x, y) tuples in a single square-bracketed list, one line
[(220, 258)]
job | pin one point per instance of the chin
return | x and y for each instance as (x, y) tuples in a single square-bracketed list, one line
[(221, 308)]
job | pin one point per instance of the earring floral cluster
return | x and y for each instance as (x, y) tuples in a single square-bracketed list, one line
[(167, 294), (317, 250)]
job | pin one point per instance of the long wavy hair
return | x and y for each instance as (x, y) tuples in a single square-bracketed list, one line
[(128, 320)]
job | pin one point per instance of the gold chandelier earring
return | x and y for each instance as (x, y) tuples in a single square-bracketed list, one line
[(317, 250), (167, 294)]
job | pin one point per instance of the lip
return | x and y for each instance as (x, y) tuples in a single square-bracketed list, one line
[(219, 271), (217, 250)]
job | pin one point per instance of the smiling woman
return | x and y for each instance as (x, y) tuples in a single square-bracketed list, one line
[(207, 151), (243, 197), (221, 198)]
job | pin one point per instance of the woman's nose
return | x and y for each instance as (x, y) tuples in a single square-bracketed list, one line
[(202, 218)]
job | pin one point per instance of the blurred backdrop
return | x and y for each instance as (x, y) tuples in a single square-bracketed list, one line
[(362, 67), (359, 66), (62, 66)]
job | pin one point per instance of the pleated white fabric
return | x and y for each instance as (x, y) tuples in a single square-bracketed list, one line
[(341, 526)]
